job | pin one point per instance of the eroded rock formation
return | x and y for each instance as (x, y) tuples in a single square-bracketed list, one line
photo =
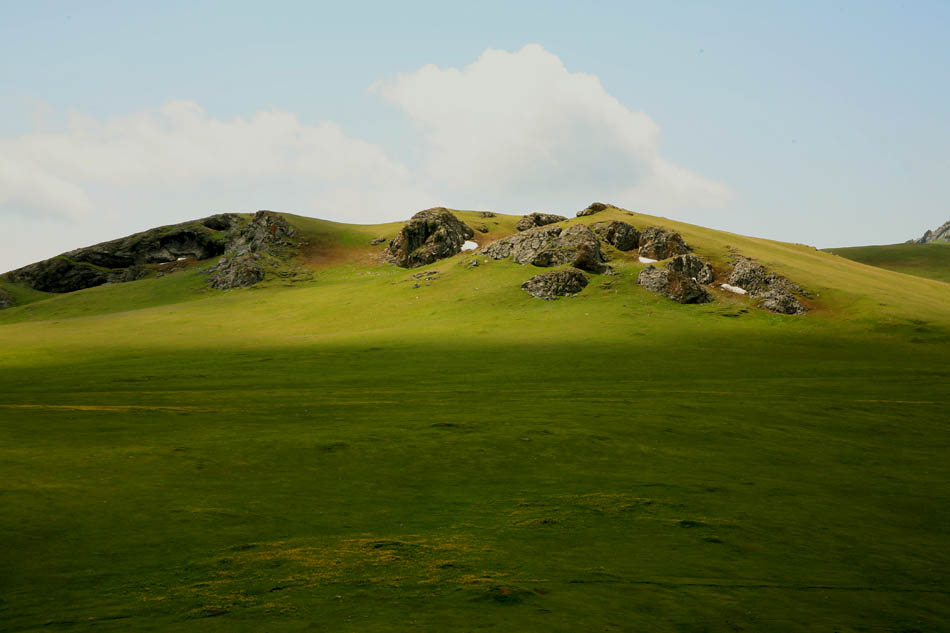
[(534, 220), (658, 243), (556, 283), (427, 237)]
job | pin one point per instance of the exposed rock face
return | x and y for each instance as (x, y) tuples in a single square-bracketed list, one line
[(429, 236), (556, 283), (782, 301), (534, 220), (622, 236), (941, 234), (693, 267), (550, 246), (124, 259), (673, 284), (377, 240), (775, 291), (595, 207), (268, 236), (658, 243), (6, 299)]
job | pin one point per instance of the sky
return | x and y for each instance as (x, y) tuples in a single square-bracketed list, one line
[(825, 123)]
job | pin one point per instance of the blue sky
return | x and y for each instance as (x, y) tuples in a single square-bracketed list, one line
[(823, 123)]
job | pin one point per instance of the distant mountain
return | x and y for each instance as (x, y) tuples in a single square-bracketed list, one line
[(941, 234)]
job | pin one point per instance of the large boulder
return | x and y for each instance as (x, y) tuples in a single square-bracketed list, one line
[(595, 207), (556, 283), (940, 234), (6, 299), (692, 266), (673, 284), (427, 237), (781, 301), (658, 243), (534, 220), (620, 235), (551, 246), (750, 276)]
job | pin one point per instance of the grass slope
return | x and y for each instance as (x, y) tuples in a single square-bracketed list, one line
[(923, 260), (353, 453)]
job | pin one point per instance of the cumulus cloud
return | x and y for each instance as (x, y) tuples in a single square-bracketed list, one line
[(520, 126), (179, 147), (512, 132)]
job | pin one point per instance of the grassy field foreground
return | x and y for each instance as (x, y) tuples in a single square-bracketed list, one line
[(356, 454)]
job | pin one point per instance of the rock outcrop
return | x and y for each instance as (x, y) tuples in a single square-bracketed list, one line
[(673, 285), (556, 283), (551, 246), (427, 237), (6, 299), (263, 241), (620, 235), (693, 267), (941, 234), (595, 207), (126, 259), (776, 292), (658, 243), (534, 220)]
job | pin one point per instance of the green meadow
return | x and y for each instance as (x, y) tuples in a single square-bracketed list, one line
[(923, 260), (377, 450)]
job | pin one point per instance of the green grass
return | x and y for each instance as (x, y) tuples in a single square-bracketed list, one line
[(355, 454), (923, 260)]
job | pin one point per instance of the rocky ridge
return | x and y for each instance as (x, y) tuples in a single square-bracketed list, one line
[(551, 246), (940, 234), (133, 257)]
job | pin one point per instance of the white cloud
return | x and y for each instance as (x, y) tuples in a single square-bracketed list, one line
[(520, 127), (512, 132)]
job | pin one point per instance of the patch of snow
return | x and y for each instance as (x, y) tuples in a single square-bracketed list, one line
[(469, 245), (181, 259), (647, 260), (735, 289)]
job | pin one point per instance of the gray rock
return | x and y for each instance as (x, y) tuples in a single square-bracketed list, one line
[(556, 283), (378, 240), (750, 276), (673, 284), (775, 291), (550, 246), (6, 299), (622, 236), (237, 271), (658, 243), (427, 237), (595, 207), (781, 301), (487, 214), (534, 220), (523, 247), (941, 234), (122, 259), (693, 267), (268, 237)]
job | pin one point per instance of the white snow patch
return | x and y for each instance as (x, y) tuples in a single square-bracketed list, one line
[(735, 289), (181, 259), (469, 245), (647, 260)]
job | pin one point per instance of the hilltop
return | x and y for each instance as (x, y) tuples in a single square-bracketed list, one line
[(283, 423)]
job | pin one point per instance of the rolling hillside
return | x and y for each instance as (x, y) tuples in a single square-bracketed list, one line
[(922, 260), (354, 446)]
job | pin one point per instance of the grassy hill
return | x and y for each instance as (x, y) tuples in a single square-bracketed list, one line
[(352, 452), (922, 260)]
